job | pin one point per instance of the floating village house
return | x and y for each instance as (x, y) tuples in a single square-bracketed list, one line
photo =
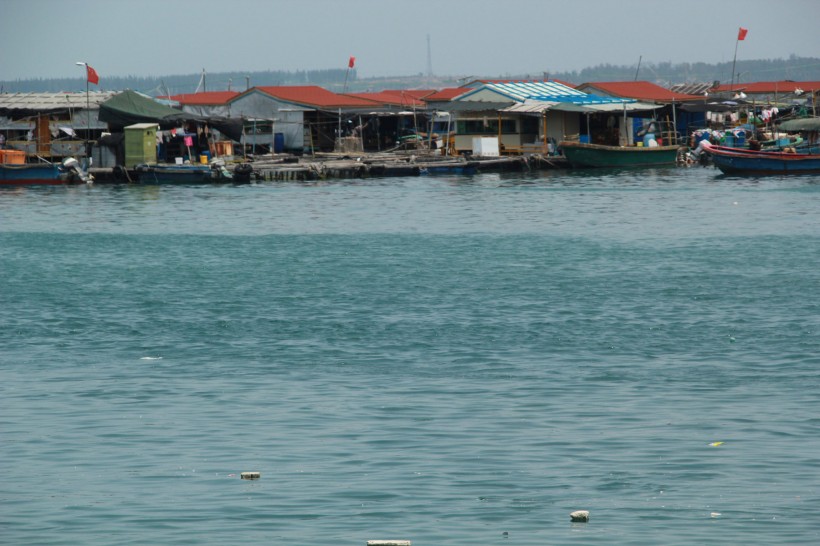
[(305, 118), (529, 116), (179, 134), (672, 117), (51, 125), (402, 115)]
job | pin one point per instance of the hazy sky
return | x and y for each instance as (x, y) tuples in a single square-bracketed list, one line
[(44, 38)]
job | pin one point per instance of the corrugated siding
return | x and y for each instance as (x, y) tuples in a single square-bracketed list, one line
[(51, 101)]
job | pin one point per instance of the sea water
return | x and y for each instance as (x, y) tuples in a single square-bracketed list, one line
[(447, 360)]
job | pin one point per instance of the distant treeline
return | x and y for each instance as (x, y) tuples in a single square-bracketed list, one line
[(665, 74), (185, 83), (794, 68)]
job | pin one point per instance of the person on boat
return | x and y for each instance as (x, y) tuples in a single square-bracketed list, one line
[(2, 141)]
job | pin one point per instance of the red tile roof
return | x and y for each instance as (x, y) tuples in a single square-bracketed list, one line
[(392, 98), (313, 95), (641, 90), (447, 94), (415, 93), (205, 98), (771, 87)]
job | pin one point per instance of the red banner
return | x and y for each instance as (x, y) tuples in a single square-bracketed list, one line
[(93, 77), (741, 34), (351, 62)]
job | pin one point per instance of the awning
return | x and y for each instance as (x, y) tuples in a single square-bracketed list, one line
[(537, 107), (726, 106), (630, 107), (477, 106), (531, 107)]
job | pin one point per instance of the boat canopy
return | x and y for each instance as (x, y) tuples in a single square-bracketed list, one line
[(130, 107), (801, 124)]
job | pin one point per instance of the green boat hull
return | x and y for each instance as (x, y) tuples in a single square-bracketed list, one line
[(596, 155)]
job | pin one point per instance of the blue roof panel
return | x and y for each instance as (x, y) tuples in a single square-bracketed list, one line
[(550, 91)]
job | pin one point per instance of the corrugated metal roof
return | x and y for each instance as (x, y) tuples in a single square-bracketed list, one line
[(537, 107), (51, 101), (693, 88), (544, 91), (476, 106), (611, 107), (205, 98), (538, 90), (530, 107), (478, 83)]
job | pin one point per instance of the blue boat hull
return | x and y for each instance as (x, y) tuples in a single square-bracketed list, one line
[(31, 174), (451, 168), (733, 161)]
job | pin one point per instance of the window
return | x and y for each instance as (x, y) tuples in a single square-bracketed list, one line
[(530, 125), (485, 126)]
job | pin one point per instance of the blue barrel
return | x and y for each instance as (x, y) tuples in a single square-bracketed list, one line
[(279, 142), (740, 138)]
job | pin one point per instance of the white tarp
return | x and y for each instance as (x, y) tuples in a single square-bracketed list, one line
[(485, 147)]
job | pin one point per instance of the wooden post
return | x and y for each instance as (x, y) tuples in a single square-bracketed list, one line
[(544, 119), (44, 136), (499, 133)]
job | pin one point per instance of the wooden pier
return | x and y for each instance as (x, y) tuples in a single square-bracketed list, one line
[(286, 168)]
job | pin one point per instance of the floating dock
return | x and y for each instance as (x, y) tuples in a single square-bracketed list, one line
[(283, 168)]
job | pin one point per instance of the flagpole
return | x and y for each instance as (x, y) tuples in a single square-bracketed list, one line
[(87, 108), (87, 119), (734, 60), (350, 63), (741, 35)]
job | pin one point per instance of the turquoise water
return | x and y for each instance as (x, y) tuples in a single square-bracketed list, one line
[(453, 361)]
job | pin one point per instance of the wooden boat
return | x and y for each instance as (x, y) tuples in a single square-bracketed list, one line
[(736, 161), (183, 174), (580, 154), (28, 174)]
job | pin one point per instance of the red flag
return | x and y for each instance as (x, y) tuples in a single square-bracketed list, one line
[(741, 34), (351, 62), (93, 77)]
